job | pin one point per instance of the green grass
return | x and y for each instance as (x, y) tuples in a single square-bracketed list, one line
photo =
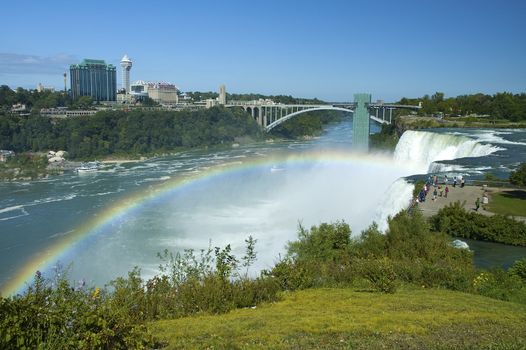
[(413, 318), (511, 202)]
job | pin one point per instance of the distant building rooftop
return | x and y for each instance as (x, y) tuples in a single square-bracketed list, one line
[(92, 62)]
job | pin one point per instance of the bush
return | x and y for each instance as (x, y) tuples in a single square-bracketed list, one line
[(290, 275), (519, 269), (380, 273), (499, 284), (57, 315), (518, 177), (446, 276), (455, 221), (322, 244)]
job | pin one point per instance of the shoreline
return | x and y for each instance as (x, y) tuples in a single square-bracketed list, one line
[(121, 161)]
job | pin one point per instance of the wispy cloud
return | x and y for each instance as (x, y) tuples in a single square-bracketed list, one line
[(14, 63)]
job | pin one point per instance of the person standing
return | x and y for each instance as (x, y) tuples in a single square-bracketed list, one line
[(447, 191), (477, 204), (435, 194), (462, 183)]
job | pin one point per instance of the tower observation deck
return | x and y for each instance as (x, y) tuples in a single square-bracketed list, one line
[(126, 65)]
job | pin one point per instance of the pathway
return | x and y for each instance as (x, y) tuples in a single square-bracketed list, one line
[(466, 196)]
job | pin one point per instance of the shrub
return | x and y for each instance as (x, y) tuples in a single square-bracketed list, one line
[(446, 276), (380, 273), (518, 177), (325, 243), (292, 276), (455, 221), (519, 269), (499, 284), (58, 316)]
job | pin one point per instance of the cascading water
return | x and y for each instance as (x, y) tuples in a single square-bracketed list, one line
[(418, 150), (422, 148)]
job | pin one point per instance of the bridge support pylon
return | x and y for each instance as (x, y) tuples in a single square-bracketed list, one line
[(360, 124)]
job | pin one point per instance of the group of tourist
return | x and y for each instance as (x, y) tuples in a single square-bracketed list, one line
[(437, 188)]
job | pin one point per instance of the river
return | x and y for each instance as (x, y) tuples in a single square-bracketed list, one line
[(99, 226)]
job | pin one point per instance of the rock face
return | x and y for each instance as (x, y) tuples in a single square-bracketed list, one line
[(56, 157)]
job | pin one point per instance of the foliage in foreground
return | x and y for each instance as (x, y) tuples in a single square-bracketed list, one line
[(457, 222), (69, 316), (215, 281), (347, 318), (58, 315)]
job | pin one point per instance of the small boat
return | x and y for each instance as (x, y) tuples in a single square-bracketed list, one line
[(89, 167), (457, 243)]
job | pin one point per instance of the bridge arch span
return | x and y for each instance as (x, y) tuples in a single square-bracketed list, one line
[(292, 115)]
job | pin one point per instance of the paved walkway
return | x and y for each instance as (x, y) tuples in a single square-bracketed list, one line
[(466, 196)]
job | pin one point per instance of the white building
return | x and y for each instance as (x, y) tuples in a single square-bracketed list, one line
[(161, 92), (42, 88), (126, 65)]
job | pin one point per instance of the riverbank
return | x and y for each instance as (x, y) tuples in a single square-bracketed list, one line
[(467, 197), (412, 122)]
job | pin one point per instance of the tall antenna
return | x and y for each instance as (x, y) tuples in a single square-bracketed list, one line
[(65, 90)]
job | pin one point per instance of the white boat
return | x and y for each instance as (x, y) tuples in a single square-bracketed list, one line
[(90, 167)]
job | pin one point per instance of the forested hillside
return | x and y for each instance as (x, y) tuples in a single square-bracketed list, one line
[(120, 132)]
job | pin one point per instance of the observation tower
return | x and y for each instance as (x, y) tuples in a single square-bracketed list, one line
[(126, 65)]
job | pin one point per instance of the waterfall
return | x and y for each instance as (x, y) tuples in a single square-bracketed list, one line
[(422, 148), (417, 151), (397, 197)]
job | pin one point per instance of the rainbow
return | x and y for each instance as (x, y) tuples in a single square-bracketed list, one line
[(122, 208)]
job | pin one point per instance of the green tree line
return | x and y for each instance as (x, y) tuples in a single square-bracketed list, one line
[(503, 105), (121, 132)]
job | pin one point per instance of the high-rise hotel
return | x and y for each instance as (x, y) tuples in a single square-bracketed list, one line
[(94, 78)]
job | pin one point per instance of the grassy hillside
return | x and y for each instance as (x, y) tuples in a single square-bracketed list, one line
[(412, 318), (510, 202)]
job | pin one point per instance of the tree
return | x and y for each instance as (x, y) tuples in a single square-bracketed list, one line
[(82, 102), (148, 102), (518, 177), (325, 243)]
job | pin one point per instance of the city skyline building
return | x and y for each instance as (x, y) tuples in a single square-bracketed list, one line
[(93, 78), (126, 65), (160, 92)]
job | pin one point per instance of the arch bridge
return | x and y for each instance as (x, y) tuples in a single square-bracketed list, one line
[(269, 114)]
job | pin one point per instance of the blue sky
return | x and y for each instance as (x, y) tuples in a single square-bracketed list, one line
[(326, 49)]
